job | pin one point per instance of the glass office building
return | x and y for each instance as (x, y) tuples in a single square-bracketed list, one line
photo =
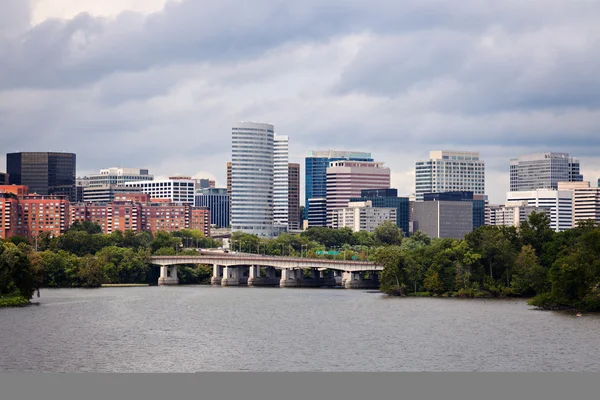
[(388, 198), (45, 173), (315, 175), (217, 201), (477, 200)]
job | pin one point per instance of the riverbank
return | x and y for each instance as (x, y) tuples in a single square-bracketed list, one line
[(13, 300), (121, 285)]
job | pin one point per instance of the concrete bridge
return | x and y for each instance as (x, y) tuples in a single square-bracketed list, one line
[(259, 270)]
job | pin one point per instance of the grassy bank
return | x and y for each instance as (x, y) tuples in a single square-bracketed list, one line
[(13, 300)]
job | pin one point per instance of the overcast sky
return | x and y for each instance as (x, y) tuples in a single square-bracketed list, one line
[(157, 84)]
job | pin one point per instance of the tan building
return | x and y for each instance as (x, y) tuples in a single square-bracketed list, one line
[(346, 179), (586, 201), (362, 216)]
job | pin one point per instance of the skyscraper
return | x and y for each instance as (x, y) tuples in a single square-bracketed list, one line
[(252, 151), (294, 196), (450, 171), (217, 201), (45, 173), (346, 179), (280, 182), (543, 171), (315, 175)]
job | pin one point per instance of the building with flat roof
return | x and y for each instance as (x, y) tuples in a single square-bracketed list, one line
[(106, 193), (294, 217), (450, 171), (586, 201), (315, 171), (559, 202), (346, 179), (443, 219), (543, 171), (217, 201), (388, 198), (317, 212), (3, 178), (281, 181), (44, 173), (179, 190), (513, 214), (479, 203), (362, 216)]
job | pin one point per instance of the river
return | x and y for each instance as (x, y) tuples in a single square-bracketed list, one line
[(200, 328)]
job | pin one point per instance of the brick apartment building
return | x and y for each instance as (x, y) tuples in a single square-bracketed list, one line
[(29, 215)]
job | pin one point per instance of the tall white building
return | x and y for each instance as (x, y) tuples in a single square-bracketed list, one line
[(280, 182), (252, 165), (362, 216), (559, 202), (449, 171), (513, 213), (543, 171), (179, 190), (586, 201)]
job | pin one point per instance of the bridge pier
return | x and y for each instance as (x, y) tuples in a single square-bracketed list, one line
[(291, 277), (327, 278), (254, 278), (355, 280), (231, 276), (168, 275), (217, 275)]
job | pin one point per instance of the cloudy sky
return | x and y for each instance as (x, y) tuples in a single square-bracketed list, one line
[(157, 84)]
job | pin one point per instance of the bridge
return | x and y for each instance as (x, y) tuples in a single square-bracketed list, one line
[(261, 270)]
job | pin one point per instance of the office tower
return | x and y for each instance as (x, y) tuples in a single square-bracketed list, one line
[(586, 201), (204, 183), (177, 189), (387, 198), (362, 216), (294, 196), (229, 188), (280, 182), (118, 176), (543, 171), (479, 203), (317, 212), (105, 193), (3, 178), (346, 179), (315, 173), (44, 173), (443, 219), (450, 171), (252, 178), (560, 203), (217, 201)]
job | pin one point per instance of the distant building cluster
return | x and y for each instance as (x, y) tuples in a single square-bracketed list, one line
[(39, 192)]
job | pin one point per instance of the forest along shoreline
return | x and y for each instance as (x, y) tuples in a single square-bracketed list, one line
[(554, 270)]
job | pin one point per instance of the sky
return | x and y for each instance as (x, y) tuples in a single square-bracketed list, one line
[(158, 84)]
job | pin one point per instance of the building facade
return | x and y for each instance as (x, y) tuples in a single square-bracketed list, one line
[(513, 214), (559, 202), (294, 217), (346, 179), (388, 198), (362, 216), (106, 193), (543, 171), (3, 178), (450, 171), (479, 203), (252, 178), (281, 181), (443, 219), (586, 201), (217, 201), (178, 190), (118, 176), (44, 173), (317, 212)]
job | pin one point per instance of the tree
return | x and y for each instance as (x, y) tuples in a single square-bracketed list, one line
[(90, 272), (391, 278), (164, 240), (86, 226), (528, 276), (388, 233), (536, 231), (433, 283), (23, 267)]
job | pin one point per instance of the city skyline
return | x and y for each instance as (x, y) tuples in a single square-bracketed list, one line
[(516, 82)]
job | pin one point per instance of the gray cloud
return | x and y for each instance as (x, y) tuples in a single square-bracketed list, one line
[(501, 77)]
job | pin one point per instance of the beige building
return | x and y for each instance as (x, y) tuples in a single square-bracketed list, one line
[(586, 201), (362, 216), (512, 213)]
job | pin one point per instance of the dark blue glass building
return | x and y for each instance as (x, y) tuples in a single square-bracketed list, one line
[(217, 201)]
